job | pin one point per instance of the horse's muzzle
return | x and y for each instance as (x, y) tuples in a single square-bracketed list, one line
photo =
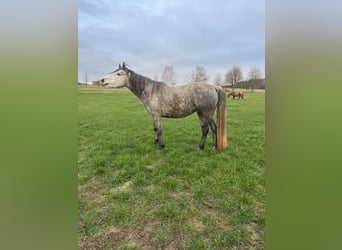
[(102, 82)]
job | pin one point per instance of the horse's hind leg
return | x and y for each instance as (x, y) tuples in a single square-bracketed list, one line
[(158, 133), (213, 128), (205, 130)]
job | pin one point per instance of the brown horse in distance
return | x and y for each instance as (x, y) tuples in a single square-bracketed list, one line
[(236, 94)]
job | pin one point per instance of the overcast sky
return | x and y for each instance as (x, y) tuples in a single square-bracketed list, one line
[(151, 34)]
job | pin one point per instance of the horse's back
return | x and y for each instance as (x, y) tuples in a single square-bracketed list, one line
[(200, 93)]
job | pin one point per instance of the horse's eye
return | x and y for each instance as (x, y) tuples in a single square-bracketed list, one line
[(118, 74)]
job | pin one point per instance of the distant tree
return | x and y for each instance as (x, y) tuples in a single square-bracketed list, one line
[(198, 75), (254, 76), (168, 75), (217, 80), (233, 76)]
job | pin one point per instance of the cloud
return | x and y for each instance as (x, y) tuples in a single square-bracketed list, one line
[(149, 35)]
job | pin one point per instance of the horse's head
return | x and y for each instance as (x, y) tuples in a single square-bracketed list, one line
[(116, 79)]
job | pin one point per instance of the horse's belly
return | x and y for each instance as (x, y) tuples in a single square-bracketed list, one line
[(177, 113)]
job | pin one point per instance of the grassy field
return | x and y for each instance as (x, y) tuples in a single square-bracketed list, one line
[(132, 196)]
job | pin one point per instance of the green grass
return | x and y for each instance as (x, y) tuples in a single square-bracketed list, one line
[(133, 196)]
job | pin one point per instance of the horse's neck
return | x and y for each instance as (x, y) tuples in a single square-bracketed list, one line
[(139, 84)]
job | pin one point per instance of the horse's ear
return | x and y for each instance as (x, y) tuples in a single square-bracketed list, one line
[(119, 66), (124, 65)]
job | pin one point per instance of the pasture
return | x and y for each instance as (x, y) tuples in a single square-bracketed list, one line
[(133, 196)]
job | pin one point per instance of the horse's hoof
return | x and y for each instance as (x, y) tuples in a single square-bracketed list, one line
[(200, 147), (161, 147)]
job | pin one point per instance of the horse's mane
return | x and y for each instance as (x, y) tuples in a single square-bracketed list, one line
[(139, 82)]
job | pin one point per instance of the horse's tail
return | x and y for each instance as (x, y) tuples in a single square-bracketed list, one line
[(221, 133)]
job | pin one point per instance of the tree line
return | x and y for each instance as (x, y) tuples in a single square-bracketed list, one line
[(232, 79)]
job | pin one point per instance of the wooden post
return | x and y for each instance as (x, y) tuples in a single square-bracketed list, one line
[(221, 141)]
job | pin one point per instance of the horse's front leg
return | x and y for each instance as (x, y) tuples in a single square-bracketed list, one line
[(158, 133), (155, 128)]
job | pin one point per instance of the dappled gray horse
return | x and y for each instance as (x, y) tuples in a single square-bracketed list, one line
[(161, 100)]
